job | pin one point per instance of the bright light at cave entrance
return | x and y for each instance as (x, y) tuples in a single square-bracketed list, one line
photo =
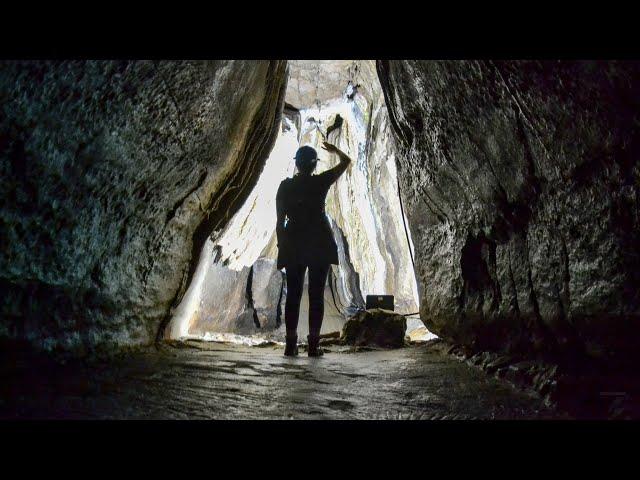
[(237, 294), (248, 232), (251, 228)]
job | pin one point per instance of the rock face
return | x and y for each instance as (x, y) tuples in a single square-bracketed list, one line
[(113, 175), (364, 203), (521, 183), (316, 82), (242, 292), (377, 327), (240, 301)]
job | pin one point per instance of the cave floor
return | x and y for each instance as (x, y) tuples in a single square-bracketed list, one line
[(222, 381)]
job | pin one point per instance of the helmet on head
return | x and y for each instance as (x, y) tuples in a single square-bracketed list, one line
[(306, 159)]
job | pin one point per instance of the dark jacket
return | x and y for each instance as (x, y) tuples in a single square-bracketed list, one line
[(306, 238)]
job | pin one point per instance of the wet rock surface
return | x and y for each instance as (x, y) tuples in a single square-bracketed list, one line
[(218, 381), (585, 388), (113, 174), (375, 327), (521, 183)]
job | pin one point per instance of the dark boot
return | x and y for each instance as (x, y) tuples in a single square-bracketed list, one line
[(314, 349), (291, 348)]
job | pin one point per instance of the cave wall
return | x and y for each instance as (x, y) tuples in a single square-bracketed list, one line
[(113, 175), (238, 289), (521, 185), (364, 203)]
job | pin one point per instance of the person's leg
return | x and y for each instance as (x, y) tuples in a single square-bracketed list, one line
[(317, 281), (295, 280)]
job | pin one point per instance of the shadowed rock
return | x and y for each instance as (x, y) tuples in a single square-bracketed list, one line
[(375, 327), (113, 174), (521, 184)]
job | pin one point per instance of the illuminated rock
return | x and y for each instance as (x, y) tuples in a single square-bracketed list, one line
[(364, 202), (343, 101)]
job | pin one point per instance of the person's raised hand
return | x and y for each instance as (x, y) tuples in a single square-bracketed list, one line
[(330, 147)]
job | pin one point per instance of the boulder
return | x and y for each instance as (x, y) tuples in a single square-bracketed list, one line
[(376, 327)]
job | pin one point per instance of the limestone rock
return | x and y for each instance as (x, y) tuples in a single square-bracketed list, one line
[(363, 204), (313, 82), (420, 334), (343, 100), (375, 327), (521, 183), (268, 293), (113, 174)]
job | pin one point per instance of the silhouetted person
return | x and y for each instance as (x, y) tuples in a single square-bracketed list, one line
[(306, 241)]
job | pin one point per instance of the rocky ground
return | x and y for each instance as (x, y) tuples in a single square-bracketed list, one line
[(206, 380), (588, 388)]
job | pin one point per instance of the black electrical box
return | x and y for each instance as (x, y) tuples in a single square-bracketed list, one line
[(380, 301)]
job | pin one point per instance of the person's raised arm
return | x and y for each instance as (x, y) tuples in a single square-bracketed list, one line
[(339, 169)]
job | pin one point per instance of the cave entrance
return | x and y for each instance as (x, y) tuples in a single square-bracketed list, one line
[(236, 293)]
